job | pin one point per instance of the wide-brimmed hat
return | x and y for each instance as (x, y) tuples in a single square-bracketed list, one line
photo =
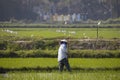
[(64, 40)]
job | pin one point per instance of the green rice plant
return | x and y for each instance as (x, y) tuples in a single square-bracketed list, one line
[(104, 75), (43, 33), (52, 62)]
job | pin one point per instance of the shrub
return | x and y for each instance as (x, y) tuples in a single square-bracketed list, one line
[(39, 44), (51, 45), (3, 45), (8, 53)]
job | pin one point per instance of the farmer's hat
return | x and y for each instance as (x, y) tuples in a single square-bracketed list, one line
[(64, 40)]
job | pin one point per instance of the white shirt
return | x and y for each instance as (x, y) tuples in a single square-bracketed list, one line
[(62, 52)]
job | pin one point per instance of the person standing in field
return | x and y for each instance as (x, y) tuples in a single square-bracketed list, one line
[(63, 56)]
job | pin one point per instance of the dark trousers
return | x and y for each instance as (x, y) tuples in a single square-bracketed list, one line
[(62, 63)]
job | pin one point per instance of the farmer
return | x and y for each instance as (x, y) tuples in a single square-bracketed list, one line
[(63, 56)]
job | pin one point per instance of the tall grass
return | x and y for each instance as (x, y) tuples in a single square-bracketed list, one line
[(53, 53)]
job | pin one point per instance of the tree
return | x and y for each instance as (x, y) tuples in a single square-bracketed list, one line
[(115, 9)]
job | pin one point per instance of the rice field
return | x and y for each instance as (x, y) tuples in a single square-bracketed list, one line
[(82, 63), (56, 75), (52, 62), (102, 75), (60, 32)]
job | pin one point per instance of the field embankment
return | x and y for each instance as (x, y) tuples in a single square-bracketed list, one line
[(53, 53)]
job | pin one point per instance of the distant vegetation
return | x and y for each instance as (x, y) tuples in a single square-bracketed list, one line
[(109, 23), (31, 10)]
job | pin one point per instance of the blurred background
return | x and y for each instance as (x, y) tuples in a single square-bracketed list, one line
[(58, 10)]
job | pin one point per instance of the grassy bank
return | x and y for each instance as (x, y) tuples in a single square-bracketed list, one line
[(53, 53)]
